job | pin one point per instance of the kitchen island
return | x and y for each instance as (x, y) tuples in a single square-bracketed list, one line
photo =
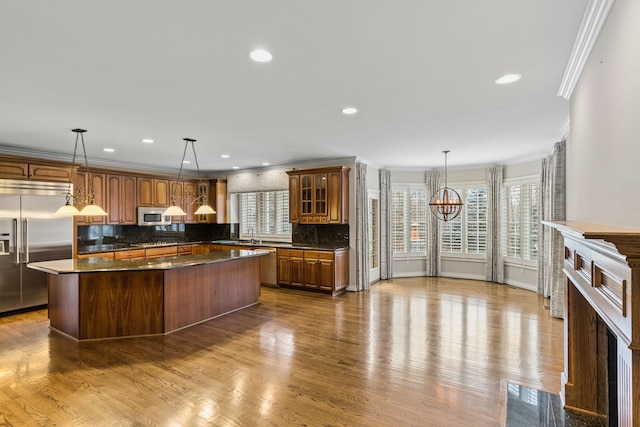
[(97, 298)]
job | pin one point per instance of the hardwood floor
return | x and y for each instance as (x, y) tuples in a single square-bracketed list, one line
[(420, 351)]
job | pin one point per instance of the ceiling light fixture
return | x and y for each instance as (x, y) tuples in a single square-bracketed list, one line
[(446, 203), (148, 141), (235, 167), (265, 164), (108, 150), (87, 197), (225, 156), (508, 78), (204, 208), (260, 55), (349, 110)]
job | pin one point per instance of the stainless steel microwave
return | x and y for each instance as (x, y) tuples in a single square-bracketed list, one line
[(153, 216)]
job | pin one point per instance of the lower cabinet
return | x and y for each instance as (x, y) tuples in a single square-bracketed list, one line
[(321, 271)]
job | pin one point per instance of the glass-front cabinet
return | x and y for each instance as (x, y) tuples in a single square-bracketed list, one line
[(319, 196)]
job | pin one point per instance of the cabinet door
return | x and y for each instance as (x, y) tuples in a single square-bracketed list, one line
[(79, 187), (320, 194), (161, 197), (11, 170), (297, 271), (337, 202), (97, 184), (145, 192), (128, 201), (177, 192), (294, 199), (326, 274), (49, 173), (203, 190), (306, 194), (284, 271), (114, 195), (190, 189), (311, 273)]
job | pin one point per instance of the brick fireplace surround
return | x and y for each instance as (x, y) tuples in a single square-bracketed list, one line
[(602, 266)]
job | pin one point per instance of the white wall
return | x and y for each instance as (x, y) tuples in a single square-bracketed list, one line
[(603, 151)]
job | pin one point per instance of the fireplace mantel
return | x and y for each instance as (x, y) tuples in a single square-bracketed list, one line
[(602, 266)]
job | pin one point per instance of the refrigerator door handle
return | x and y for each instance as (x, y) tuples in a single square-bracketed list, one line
[(15, 240), (25, 239)]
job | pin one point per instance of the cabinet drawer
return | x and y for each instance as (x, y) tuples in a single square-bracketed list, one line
[(160, 252), (185, 250), (96, 255), (292, 253), (134, 254), (318, 255)]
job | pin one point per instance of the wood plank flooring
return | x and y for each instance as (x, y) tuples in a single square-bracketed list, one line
[(409, 352)]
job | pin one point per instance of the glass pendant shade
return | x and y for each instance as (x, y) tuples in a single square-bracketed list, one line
[(205, 210), (93, 210), (67, 209), (174, 210)]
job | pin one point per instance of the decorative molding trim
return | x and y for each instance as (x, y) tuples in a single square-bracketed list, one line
[(594, 17), (565, 130)]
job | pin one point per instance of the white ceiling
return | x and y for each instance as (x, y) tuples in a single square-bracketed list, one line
[(420, 72)]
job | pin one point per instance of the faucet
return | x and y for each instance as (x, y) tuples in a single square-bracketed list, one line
[(252, 234)]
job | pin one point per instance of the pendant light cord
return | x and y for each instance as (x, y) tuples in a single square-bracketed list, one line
[(175, 188)]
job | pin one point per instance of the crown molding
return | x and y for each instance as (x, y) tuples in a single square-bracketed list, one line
[(594, 17), (565, 130)]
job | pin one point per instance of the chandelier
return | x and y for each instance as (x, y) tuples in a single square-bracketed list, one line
[(204, 208), (446, 203), (82, 196)]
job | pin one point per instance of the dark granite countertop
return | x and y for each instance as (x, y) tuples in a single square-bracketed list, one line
[(264, 244), (88, 265)]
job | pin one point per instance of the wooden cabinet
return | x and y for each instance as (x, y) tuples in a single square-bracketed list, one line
[(319, 196), (14, 170), (83, 184), (290, 267), (96, 255), (121, 199), (39, 172), (133, 255), (153, 192), (190, 189), (34, 171), (163, 252), (203, 190), (322, 271)]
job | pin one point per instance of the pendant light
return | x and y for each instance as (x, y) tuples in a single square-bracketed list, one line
[(90, 208), (446, 203), (204, 208)]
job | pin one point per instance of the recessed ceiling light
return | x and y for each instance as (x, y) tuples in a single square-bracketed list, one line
[(225, 156), (508, 78), (186, 162), (148, 141), (265, 164), (260, 55), (349, 110), (236, 167), (108, 150)]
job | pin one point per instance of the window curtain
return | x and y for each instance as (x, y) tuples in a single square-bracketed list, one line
[(432, 179), (551, 280), (494, 266), (386, 246), (362, 228)]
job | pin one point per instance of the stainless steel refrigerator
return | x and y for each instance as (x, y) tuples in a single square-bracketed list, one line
[(29, 232)]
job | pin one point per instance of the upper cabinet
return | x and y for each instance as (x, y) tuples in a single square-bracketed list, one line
[(34, 171), (319, 196), (153, 192), (121, 199)]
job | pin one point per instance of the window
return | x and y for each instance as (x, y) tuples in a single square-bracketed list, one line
[(265, 215), (520, 220), (409, 220), (467, 234)]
